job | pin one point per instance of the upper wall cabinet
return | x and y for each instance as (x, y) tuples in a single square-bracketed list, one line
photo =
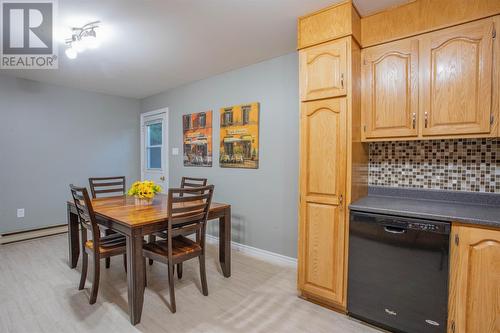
[(336, 21), (440, 85), (390, 90), (456, 68), (323, 71)]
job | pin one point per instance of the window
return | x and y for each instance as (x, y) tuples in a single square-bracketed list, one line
[(154, 144), (246, 114), (187, 122), (203, 120), (228, 117)]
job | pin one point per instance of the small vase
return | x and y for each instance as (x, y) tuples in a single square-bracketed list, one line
[(143, 202)]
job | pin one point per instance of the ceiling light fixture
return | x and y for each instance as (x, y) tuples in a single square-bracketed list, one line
[(82, 39)]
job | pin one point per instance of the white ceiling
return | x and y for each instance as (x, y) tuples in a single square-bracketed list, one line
[(150, 46)]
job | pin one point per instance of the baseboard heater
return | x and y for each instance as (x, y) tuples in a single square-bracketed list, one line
[(17, 236)]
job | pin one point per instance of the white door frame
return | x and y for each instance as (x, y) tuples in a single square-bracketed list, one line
[(165, 138)]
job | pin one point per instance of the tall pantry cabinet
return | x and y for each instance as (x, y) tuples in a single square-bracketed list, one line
[(333, 161)]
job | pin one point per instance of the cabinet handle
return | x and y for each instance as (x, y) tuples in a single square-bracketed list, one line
[(426, 119), (414, 120), (341, 201), (342, 80)]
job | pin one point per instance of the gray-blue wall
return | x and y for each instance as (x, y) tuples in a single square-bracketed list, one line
[(264, 201), (51, 136)]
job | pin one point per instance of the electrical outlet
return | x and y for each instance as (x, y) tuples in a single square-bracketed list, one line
[(175, 151), (20, 212)]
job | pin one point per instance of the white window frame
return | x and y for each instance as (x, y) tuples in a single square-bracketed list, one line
[(164, 162)]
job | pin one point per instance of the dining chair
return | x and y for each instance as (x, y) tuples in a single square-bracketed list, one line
[(188, 212), (98, 247), (186, 182), (106, 186)]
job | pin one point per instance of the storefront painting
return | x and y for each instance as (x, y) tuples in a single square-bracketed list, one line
[(197, 129), (239, 136)]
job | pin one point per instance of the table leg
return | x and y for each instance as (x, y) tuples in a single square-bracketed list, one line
[(225, 242), (135, 276), (73, 238)]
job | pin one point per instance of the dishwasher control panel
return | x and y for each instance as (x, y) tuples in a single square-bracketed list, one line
[(423, 226), (405, 223)]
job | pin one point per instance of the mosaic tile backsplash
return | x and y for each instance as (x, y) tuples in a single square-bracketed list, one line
[(461, 165)]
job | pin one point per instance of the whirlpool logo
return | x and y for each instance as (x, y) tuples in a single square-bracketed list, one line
[(28, 34)]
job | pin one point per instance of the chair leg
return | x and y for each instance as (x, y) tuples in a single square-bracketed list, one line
[(203, 275), (108, 232), (171, 286), (179, 271), (145, 275), (125, 262), (95, 282), (151, 239), (85, 263)]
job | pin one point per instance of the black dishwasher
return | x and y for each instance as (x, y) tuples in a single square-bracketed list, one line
[(398, 272)]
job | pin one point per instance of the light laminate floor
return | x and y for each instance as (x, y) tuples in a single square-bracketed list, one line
[(38, 293)]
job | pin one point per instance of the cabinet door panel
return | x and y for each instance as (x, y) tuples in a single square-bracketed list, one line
[(458, 71), (323, 70), (390, 90), (475, 281), (322, 215)]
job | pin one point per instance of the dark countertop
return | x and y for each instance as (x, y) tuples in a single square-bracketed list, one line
[(453, 206)]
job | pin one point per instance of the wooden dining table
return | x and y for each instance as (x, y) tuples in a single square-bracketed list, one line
[(122, 215)]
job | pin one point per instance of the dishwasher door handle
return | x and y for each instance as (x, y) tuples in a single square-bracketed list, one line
[(394, 230)]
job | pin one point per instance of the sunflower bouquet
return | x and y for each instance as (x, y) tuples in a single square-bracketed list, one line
[(144, 191)]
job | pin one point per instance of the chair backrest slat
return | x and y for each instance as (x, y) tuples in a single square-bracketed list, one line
[(85, 211), (107, 185), (193, 182), (186, 229), (188, 208), (187, 218), (190, 182)]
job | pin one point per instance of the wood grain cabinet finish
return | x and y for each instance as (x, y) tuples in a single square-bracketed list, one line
[(323, 71), (456, 72), (443, 84), (474, 304), (390, 90), (322, 187)]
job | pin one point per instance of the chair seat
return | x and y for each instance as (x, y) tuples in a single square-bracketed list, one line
[(181, 246), (114, 243)]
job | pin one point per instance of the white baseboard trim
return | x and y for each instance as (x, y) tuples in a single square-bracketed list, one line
[(30, 234), (256, 253)]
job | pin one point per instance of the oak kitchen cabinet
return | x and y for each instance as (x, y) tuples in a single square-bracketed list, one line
[(323, 71), (389, 79), (333, 160), (442, 84), (322, 225), (474, 293), (456, 80)]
